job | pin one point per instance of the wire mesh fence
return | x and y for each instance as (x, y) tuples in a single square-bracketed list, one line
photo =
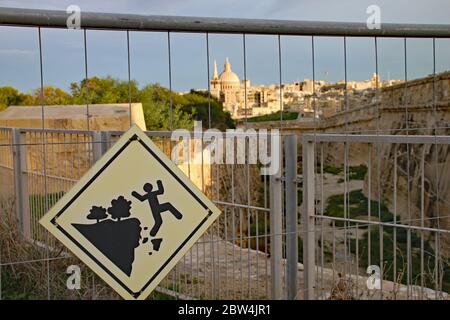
[(366, 213), (359, 203), (232, 260)]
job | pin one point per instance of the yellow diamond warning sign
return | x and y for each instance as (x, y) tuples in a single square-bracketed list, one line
[(132, 216)]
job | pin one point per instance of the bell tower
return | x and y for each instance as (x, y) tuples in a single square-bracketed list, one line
[(215, 82)]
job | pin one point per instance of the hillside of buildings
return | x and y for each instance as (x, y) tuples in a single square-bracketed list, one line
[(242, 99)]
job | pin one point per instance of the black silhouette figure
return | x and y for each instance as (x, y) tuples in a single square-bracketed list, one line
[(97, 213), (156, 244), (118, 239), (156, 207), (120, 208)]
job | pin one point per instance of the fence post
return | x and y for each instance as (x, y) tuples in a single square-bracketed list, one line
[(99, 144), (106, 140), (276, 236), (308, 217), (22, 201), (290, 156)]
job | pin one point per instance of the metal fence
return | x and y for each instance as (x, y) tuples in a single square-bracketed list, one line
[(232, 260), (408, 244), (292, 236)]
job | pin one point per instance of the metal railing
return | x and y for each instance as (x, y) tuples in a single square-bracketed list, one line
[(232, 260), (133, 22), (427, 232)]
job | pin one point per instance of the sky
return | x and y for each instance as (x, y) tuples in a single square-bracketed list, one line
[(63, 50)]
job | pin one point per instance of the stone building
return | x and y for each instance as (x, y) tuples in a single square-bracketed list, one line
[(241, 99)]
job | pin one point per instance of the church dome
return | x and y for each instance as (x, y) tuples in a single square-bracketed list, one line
[(228, 76)]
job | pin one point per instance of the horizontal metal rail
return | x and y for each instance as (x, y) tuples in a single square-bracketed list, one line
[(162, 134), (114, 21), (380, 223), (50, 130), (50, 176), (387, 138), (237, 205)]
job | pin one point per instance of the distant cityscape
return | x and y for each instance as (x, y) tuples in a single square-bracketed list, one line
[(241, 98)]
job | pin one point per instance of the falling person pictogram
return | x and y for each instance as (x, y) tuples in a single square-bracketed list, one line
[(156, 207)]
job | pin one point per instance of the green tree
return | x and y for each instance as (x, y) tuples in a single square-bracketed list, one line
[(155, 99), (198, 103), (186, 108), (156, 105), (9, 96), (104, 90), (52, 96), (27, 99)]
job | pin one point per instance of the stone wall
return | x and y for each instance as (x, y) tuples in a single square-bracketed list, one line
[(101, 117)]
